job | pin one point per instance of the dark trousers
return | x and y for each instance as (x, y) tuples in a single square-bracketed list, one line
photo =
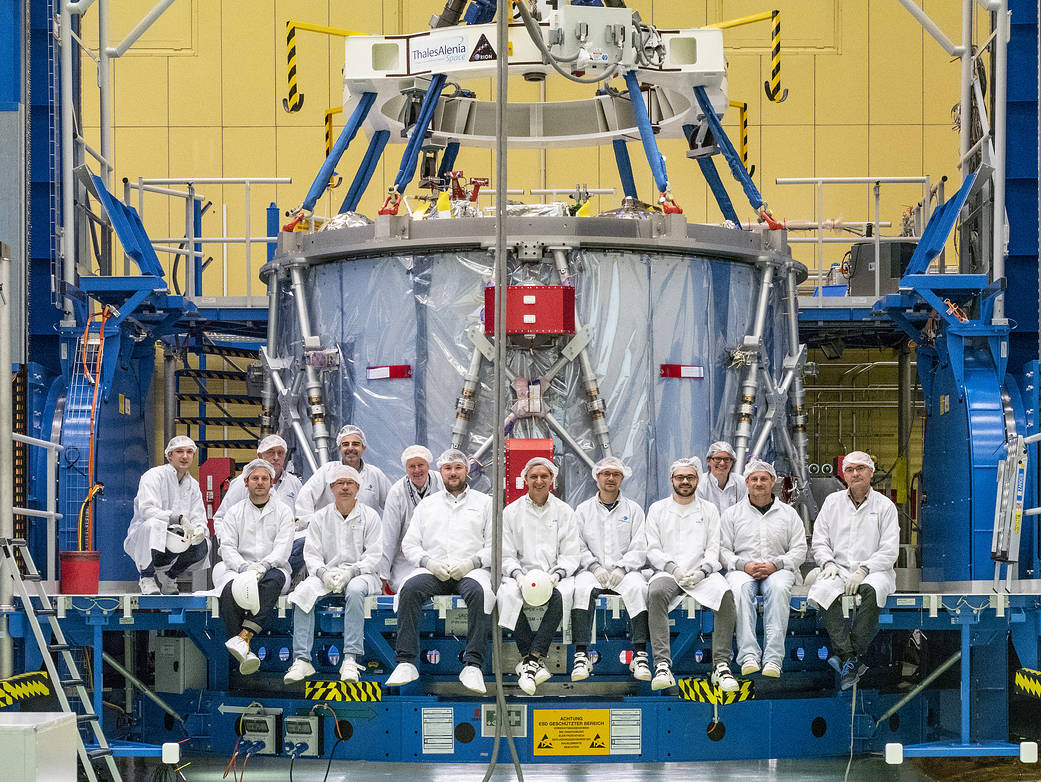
[(178, 562), (296, 558), (582, 622), (236, 618), (537, 643), (420, 588), (852, 638)]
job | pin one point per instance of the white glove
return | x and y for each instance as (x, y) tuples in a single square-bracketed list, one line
[(615, 577), (440, 570), (197, 534), (831, 570), (300, 524), (330, 579), (853, 582), (692, 579), (554, 578), (461, 568), (603, 576), (259, 568), (680, 575), (346, 572)]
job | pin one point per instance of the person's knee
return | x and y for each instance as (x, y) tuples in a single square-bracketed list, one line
[(196, 553)]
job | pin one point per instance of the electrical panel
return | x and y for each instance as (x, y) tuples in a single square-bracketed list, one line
[(261, 733), (179, 665), (533, 309), (593, 37), (302, 736)]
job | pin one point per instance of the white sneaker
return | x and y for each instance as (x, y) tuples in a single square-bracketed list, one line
[(772, 670), (541, 676), (298, 671), (148, 585), (663, 677), (403, 674), (724, 679), (640, 667), (749, 666), (527, 681), (581, 669), (350, 671), (250, 665), (167, 585), (473, 679)]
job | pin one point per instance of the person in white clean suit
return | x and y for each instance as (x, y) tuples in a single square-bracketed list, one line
[(539, 532), (417, 484), (315, 494), (342, 551), (258, 538), (763, 543), (613, 554), (272, 449), (449, 543), (168, 534), (856, 539), (683, 547), (723, 486)]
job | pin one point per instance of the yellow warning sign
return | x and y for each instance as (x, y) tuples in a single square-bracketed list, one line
[(572, 731)]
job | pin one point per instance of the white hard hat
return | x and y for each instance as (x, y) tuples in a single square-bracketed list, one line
[(347, 431), (176, 540), (536, 587), (858, 457), (339, 472), (452, 456), (246, 591), (258, 464), (271, 441), (693, 461), (611, 463), (758, 465), (543, 462), (416, 452), (724, 446), (180, 441)]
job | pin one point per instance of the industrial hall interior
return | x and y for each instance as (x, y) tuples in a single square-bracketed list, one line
[(629, 390)]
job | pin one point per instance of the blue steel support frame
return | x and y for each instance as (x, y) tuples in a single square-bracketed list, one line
[(410, 157), (350, 130), (726, 147)]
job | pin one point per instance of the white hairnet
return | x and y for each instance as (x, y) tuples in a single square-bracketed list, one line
[(180, 441), (540, 460), (858, 457), (722, 446), (693, 461), (452, 456), (416, 452), (758, 465), (347, 431), (611, 463), (343, 472), (257, 464), (271, 441)]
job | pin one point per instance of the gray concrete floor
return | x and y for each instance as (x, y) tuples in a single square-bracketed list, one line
[(863, 769)]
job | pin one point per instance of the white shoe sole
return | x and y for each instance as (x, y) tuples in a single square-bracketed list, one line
[(402, 680), (662, 684), (580, 674), (249, 666), (527, 684), (642, 674)]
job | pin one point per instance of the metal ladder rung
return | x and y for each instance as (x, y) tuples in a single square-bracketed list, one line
[(53, 648), (100, 752), (82, 719), (36, 577), (45, 611), (77, 682)]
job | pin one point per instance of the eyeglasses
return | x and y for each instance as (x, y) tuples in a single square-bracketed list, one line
[(684, 478), (721, 459)]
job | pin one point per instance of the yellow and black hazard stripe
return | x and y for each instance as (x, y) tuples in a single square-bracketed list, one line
[(295, 101), (703, 691), (773, 87), (1028, 682), (343, 691), (23, 687)]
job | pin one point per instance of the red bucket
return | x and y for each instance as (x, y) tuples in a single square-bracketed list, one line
[(79, 572)]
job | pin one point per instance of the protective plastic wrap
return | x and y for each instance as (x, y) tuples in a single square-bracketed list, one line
[(346, 220), (645, 309)]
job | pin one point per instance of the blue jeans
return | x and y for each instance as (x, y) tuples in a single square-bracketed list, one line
[(353, 622), (296, 559), (776, 590), (177, 563)]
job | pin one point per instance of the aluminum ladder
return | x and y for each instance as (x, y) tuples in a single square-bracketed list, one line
[(8, 546)]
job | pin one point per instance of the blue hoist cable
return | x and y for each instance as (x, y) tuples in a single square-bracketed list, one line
[(410, 158), (365, 171), (350, 130), (643, 124), (447, 161), (737, 168), (625, 167), (726, 206)]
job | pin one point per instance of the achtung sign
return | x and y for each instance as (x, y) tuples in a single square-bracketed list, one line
[(572, 732)]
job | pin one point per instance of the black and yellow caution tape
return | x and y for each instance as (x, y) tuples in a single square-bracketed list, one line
[(703, 691), (1028, 682), (742, 108), (343, 691), (295, 101), (773, 87), (24, 686)]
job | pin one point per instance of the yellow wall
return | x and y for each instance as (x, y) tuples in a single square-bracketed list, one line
[(869, 95)]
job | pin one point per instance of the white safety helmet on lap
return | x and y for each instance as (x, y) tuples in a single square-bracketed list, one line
[(536, 587), (246, 591), (177, 539)]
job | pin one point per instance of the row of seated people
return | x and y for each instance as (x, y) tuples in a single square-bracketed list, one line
[(434, 538)]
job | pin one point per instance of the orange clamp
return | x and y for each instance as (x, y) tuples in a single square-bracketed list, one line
[(669, 205), (770, 222), (391, 203), (476, 183), (292, 224)]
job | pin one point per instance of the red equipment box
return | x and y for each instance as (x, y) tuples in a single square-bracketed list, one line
[(518, 453), (215, 475), (533, 309)]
